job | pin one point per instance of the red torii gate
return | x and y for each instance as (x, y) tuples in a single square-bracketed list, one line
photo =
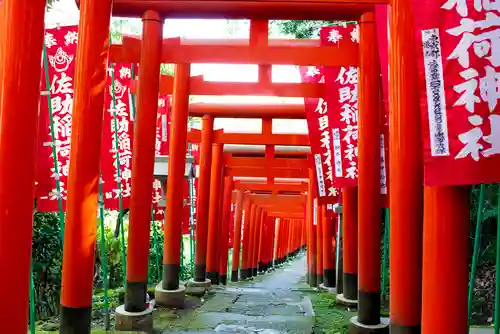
[(25, 22)]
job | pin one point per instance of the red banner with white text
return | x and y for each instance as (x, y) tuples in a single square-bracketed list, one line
[(60, 45), (459, 65), (320, 136), (342, 98)]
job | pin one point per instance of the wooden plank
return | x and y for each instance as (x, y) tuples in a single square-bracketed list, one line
[(284, 163), (280, 187), (272, 111), (174, 52), (262, 172), (198, 86), (343, 10), (261, 139)]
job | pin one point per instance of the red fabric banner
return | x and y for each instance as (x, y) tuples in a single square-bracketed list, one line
[(342, 98), (459, 64), (117, 140), (61, 51), (320, 136)]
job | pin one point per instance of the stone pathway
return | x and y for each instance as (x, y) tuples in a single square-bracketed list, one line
[(270, 304), (481, 331)]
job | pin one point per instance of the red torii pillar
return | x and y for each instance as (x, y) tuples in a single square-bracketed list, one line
[(271, 236), (318, 218), (247, 240), (256, 235), (406, 190), (23, 30), (237, 236), (276, 254), (143, 162), (215, 198), (220, 222), (369, 205), (261, 240), (225, 220), (169, 293), (311, 235), (329, 265), (350, 247), (83, 192), (202, 213)]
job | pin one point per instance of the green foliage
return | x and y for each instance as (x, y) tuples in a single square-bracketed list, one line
[(46, 264), (301, 28), (50, 3), (304, 29)]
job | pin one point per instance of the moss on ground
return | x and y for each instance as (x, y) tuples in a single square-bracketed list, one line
[(330, 318)]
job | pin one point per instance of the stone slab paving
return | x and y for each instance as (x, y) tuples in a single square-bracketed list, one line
[(481, 331), (269, 304)]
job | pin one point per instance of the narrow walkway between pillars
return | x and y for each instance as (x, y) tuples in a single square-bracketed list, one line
[(271, 303)]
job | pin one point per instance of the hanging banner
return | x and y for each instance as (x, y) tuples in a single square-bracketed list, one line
[(161, 149), (60, 44), (118, 133), (320, 136), (459, 75), (342, 97)]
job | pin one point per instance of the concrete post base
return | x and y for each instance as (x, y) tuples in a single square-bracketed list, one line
[(358, 328), (197, 289), (134, 321), (322, 287), (346, 302), (170, 298)]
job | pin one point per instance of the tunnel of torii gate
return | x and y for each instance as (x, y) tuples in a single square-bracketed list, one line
[(275, 218)]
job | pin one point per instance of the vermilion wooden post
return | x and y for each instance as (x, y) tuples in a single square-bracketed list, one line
[(219, 247), (369, 205), (237, 236), (2, 45), (249, 212), (406, 180), (272, 238), (278, 238), (284, 236), (308, 252), (202, 213), (23, 29), (311, 245), (81, 204), (261, 241), (319, 242), (350, 244), (215, 195), (225, 219), (265, 244), (445, 260), (143, 161), (256, 233), (329, 267), (175, 184)]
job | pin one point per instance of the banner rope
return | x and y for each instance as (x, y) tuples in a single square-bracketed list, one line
[(385, 255), (497, 271), (475, 255), (191, 215), (155, 241), (104, 256)]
